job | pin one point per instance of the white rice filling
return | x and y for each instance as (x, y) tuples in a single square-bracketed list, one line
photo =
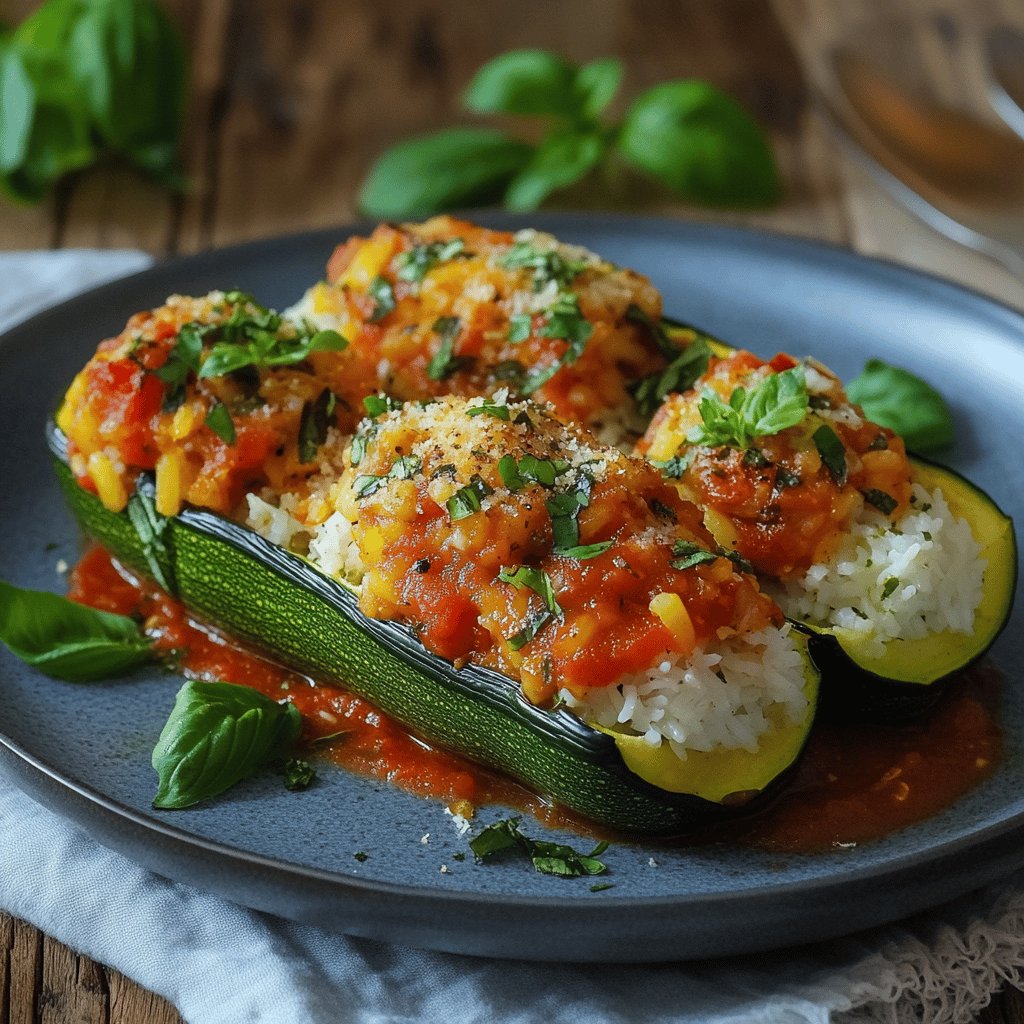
[(923, 575), (727, 698)]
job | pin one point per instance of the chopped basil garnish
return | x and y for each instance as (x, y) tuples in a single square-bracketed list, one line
[(675, 467), (686, 555), (889, 587), (405, 468), (444, 363), (659, 335), (150, 527), (218, 419), (832, 452), (314, 423), (415, 264), (249, 337), (360, 856), (67, 640), (776, 403), (534, 624), (547, 858), (298, 774), (377, 405), (680, 375), (547, 266), (383, 296), (540, 583), (566, 322), (519, 327), (662, 511), (182, 360), (564, 510), (755, 457), (584, 551), (516, 475), (885, 503), (466, 500), (786, 478), (218, 734), (489, 407)]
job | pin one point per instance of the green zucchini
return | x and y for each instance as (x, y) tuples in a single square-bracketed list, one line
[(273, 599), (912, 674)]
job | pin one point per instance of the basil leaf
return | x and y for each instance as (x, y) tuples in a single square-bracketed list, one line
[(686, 555), (885, 503), (218, 419), (314, 423), (417, 262), (216, 735), (584, 551), (537, 580), (150, 527), (832, 452), (596, 85), (377, 405), (519, 327), (680, 375), (547, 858), (298, 775), (701, 144), (443, 363), (547, 265), (460, 167), (383, 296), (489, 407), (182, 360), (67, 640), (897, 399), (525, 82), (778, 402), (562, 159), (130, 65), (466, 500), (534, 625)]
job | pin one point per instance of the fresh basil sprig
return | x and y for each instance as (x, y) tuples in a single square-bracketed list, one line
[(81, 80), (686, 134), (897, 399), (216, 735), (67, 640), (547, 858), (775, 404)]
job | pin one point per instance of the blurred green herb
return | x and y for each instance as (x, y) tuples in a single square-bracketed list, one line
[(688, 135), (84, 79)]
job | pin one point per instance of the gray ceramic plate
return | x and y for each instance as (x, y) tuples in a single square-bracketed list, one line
[(84, 751)]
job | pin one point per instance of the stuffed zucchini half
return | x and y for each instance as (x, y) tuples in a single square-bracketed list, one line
[(506, 586), (903, 571)]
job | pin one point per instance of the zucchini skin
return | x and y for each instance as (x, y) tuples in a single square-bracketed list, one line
[(852, 691), (275, 601)]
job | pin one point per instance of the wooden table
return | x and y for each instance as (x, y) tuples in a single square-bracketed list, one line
[(291, 100)]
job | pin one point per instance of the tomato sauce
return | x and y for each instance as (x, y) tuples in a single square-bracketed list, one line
[(854, 784)]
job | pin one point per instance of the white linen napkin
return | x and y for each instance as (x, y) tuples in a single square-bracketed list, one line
[(219, 963)]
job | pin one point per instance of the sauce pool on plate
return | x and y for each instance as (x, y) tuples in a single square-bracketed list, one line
[(855, 782)]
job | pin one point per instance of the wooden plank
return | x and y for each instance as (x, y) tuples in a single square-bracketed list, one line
[(24, 954), (132, 1004), (71, 989)]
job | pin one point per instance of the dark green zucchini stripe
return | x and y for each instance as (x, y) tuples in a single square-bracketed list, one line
[(272, 599)]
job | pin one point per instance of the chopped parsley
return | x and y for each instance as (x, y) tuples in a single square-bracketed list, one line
[(885, 503), (832, 452), (218, 419), (771, 406), (383, 296), (444, 363), (466, 500), (313, 425), (416, 263), (547, 858)]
